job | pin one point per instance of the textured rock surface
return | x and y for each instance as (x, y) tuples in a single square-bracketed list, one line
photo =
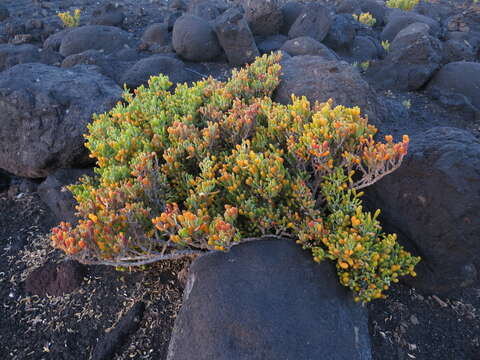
[(320, 80), (413, 58), (194, 39), (236, 38), (267, 300), (432, 201), (44, 111), (96, 37), (457, 83), (53, 193)]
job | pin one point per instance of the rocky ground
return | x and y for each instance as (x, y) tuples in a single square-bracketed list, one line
[(51, 81)]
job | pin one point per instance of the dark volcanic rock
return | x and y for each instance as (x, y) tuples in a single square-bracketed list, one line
[(194, 39), (207, 10), (267, 300), (55, 279), (54, 41), (271, 43), (4, 13), (96, 37), (290, 11), (54, 194), (457, 83), (113, 341), (432, 201), (320, 80), (4, 180), (455, 50), (11, 55), (305, 45), (413, 58), (365, 48), (156, 35), (236, 38), (264, 17), (341, 34), (110, 66), (399, 20), (44, 112), (108, 14), (155, 65), (314, 21)]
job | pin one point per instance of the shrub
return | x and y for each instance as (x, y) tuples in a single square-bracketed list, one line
[(365, 18), (386, 45), (70, 20), (406, 5), (205, 167)]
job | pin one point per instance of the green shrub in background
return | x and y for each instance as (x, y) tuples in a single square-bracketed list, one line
[(402, 4), (70, 20), (208, 166)]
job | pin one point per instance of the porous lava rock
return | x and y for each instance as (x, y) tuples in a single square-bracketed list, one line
[(94, 37), (236, 37), (264, 17), (413, 58), (320, 80), (314, 21), (109, 14), (57, 197), (399, 20), (140, 73), (44, 113), (432, 202), (11, 55), (457, 83), (194, 39), (267, 299), (306, 45), (55, 279)]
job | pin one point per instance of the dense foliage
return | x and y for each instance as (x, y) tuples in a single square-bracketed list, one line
[(202, 168)]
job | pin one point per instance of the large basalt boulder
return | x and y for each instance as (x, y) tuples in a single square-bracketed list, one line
[(341, 34), (432, 201), (272, 43), (94, 37), (305, 45), (365, 48), (264, 17), (44, 111), (457, 83), (290, 11), (455, 50), (109, 14), (314, 21), (267, 300), (54, 41), (54, 194), (155, 65), (320, 80), (113, 68), (11, 55), (399, 20), (413, 58), (157, 35), (236, 38), (207, 10), (194, 39)]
